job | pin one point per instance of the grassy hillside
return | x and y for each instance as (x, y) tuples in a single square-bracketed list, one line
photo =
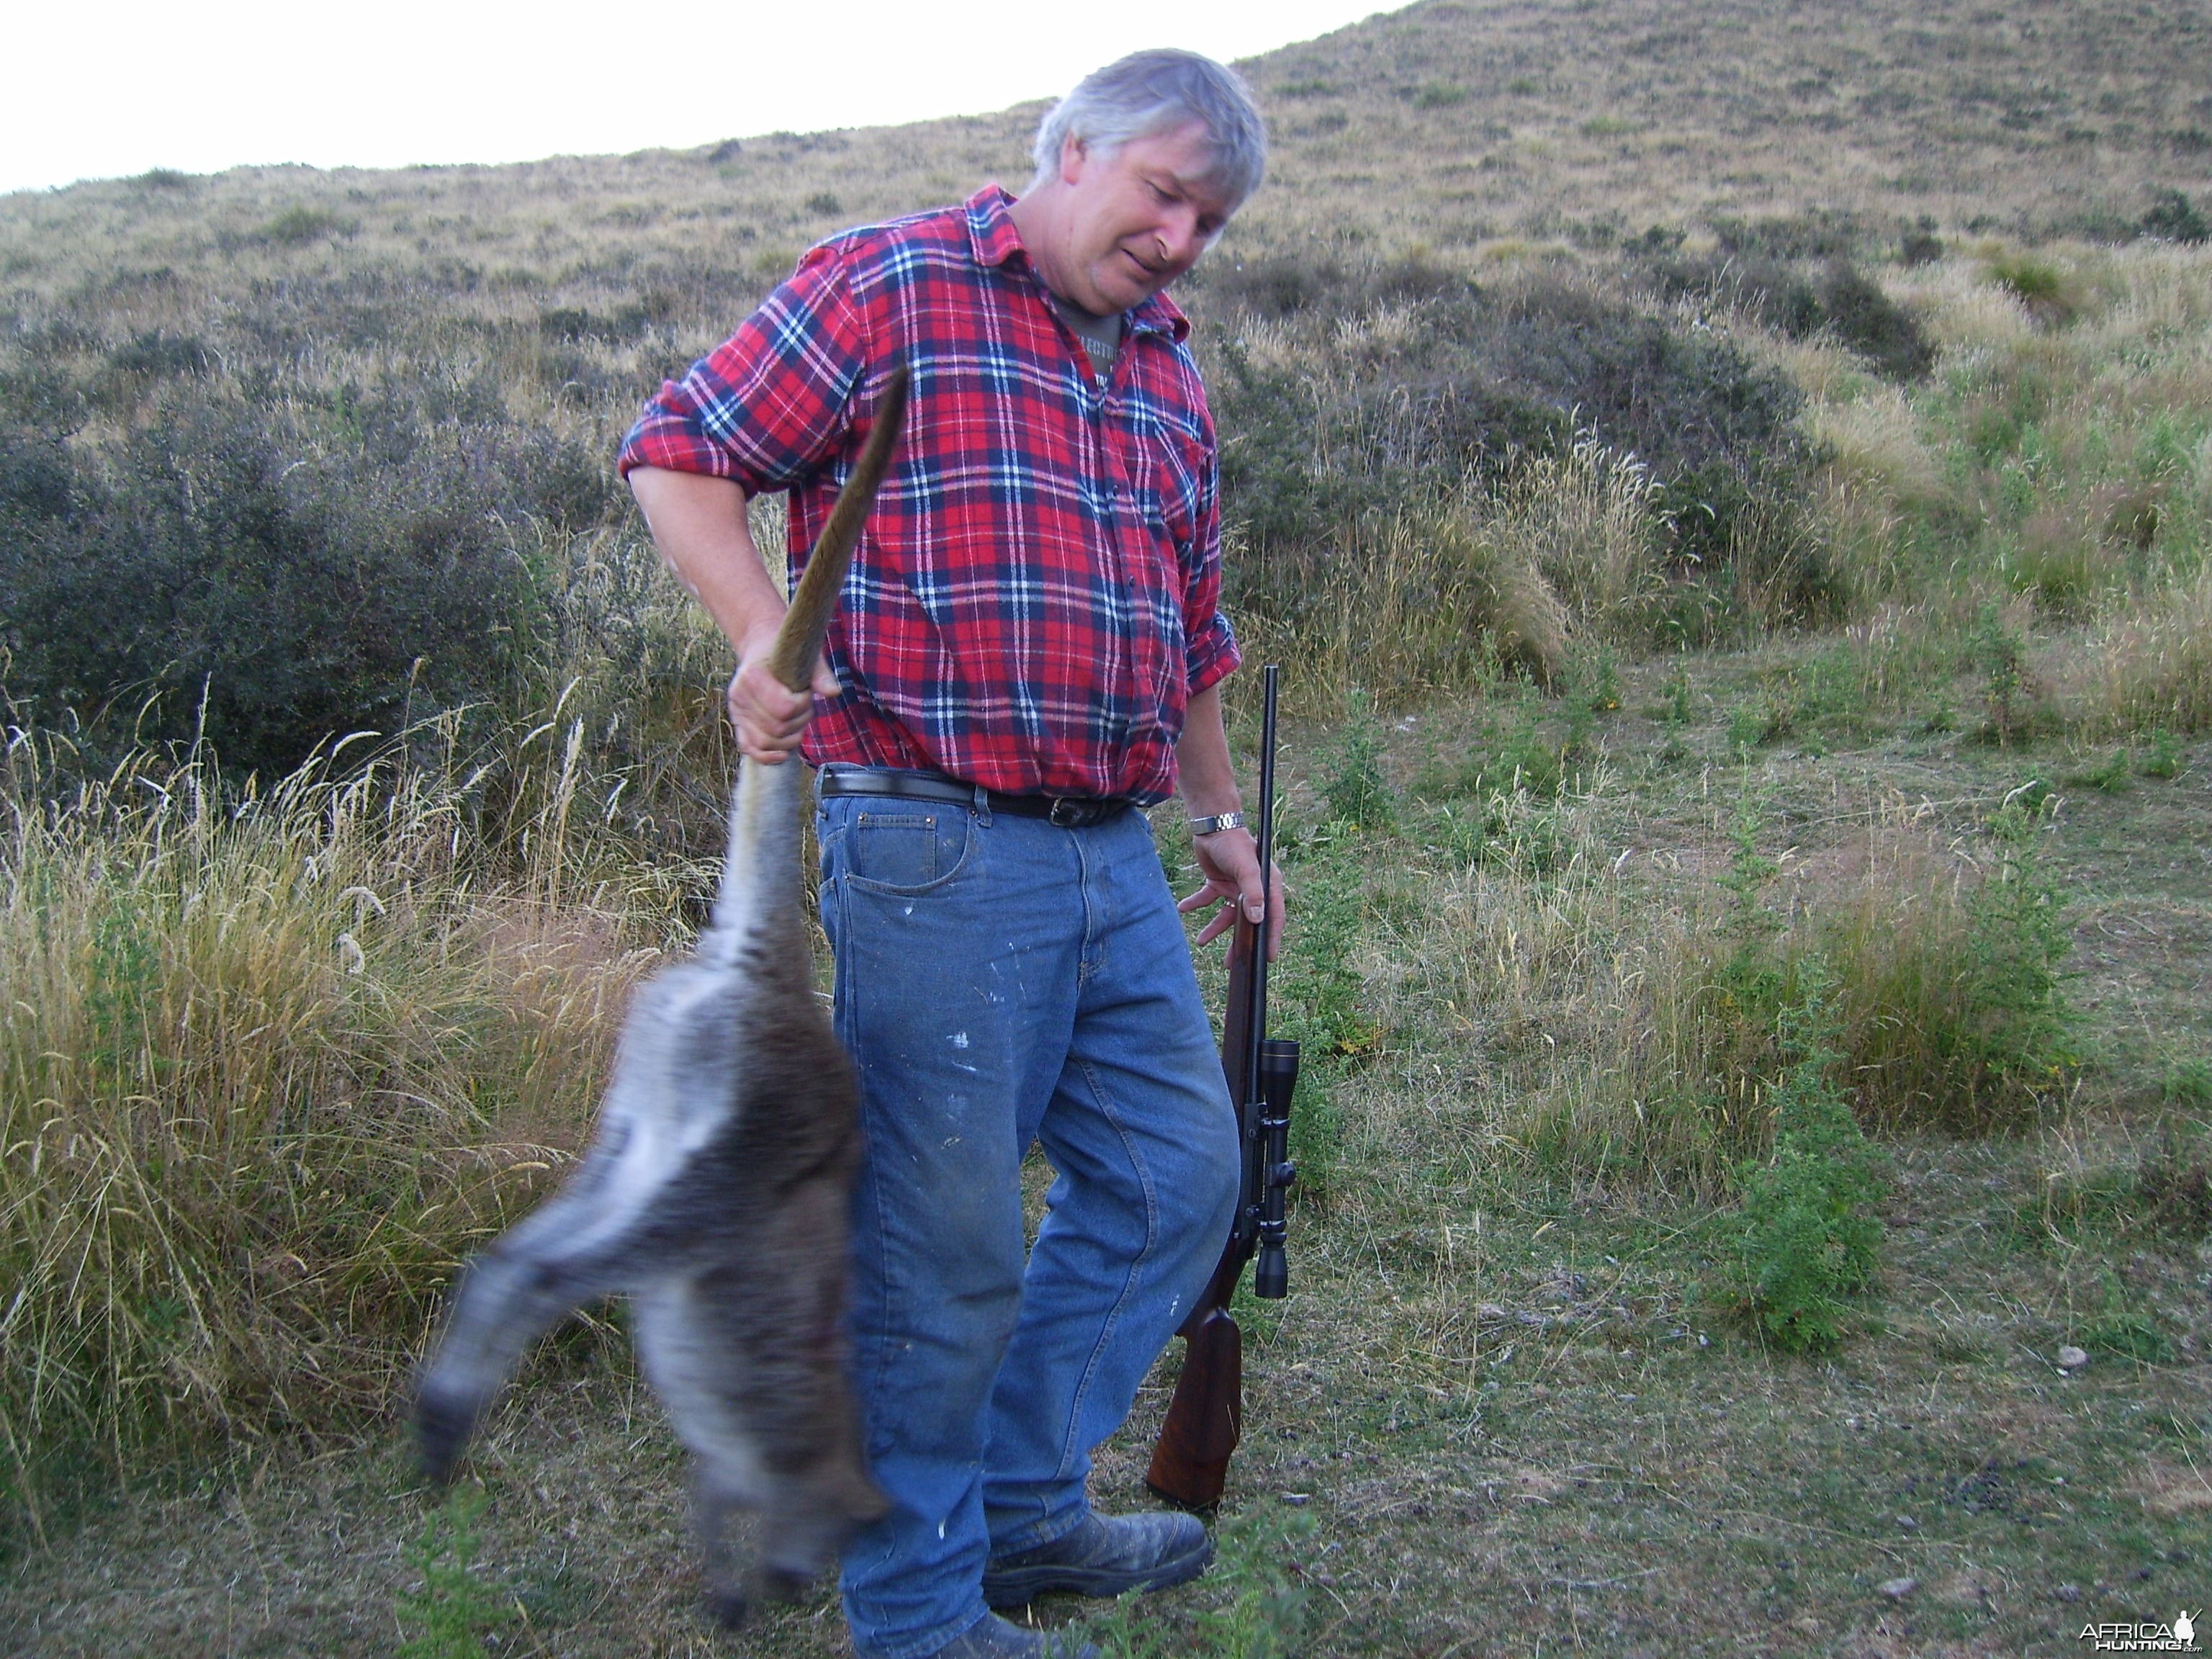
[(1730, 486), (1446, 124)]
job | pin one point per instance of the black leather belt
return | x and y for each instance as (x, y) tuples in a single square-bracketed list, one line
[(1069, 811)]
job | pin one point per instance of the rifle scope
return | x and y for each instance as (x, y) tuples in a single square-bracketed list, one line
[(1279, 1080)]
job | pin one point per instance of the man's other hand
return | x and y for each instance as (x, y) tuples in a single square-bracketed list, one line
[(1230, 861), (768, 715)]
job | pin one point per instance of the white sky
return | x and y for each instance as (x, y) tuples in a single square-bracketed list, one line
[(199, 86)]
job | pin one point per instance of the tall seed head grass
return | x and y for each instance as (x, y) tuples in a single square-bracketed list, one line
[(2149, 666), (269, 1063), (1436, 600)]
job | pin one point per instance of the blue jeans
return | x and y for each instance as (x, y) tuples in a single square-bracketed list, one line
[(1000, 981)]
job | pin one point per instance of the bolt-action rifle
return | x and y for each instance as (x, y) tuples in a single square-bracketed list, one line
[(1206, 1416)]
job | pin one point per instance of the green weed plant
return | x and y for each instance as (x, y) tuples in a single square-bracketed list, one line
[(1353, 785), (1262, 1612), (449, 1616), (1812, 1239)]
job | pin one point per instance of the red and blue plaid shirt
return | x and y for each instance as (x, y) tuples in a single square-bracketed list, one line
[(1035, 600)]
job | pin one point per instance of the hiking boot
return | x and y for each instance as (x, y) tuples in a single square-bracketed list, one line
[(995, 1639), (1104, 1557)]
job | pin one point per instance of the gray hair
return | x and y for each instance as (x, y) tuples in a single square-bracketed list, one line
[(1158, 91)]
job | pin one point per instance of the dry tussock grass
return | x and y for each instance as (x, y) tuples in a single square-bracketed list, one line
[(1434, 601), (270, 1064), (1601, 997), (2149, 666)]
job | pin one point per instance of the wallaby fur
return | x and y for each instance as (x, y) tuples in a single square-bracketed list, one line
[(715, 1191)]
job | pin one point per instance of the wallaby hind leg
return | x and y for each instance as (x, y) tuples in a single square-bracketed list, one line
[(508, 1298), (801, 1532), (713, 1512), (571, 1248), (795, 1399)]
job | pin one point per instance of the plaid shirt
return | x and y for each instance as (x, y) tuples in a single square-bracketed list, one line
[(1035, 600)]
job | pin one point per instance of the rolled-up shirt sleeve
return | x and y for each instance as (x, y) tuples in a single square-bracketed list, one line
[(771, 403), (1211, 652)]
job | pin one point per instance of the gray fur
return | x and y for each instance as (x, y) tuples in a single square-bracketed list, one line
[(714, 1194)]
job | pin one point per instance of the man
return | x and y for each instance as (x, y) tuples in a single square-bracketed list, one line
[(1029, 649)]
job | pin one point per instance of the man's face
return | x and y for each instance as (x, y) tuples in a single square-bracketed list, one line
[(1136, 218)]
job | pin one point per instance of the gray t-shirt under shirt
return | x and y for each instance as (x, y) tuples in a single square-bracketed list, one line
[(1101, 336)]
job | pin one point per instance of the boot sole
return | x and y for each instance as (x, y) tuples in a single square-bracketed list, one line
[(1016, 1587)]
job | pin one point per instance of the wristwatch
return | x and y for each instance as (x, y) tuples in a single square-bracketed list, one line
[(1216, 823)]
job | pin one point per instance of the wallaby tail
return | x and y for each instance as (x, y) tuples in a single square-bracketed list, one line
[(798, 641)]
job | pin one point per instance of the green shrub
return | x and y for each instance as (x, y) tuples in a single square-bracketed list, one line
[(2189, 1083), (1953, 1001), (2002, 655), (1942, 995), (2047, 291), (272, 1060), (1264, 1615), (1811, 1238), (2113, 776), (1525, 759), (297, 226), (2125, 1330)]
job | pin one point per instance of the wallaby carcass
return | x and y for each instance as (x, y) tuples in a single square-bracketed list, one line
[(715, 1190)]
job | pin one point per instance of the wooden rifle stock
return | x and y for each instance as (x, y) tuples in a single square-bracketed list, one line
[(1206, 1419)]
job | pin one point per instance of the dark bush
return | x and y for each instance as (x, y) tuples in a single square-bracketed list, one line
[(159, 353), (1478, 383), (1840, 299), (1873, 324), (1816, 233), (1742, 540), (2175, 218), (35, 480), (1921, 245), (1280, 285), (297, 226), (305, 581)]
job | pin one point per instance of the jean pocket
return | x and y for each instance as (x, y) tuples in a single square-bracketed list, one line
[(906, 849)]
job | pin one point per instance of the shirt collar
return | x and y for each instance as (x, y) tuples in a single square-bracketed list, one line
[(995, 241)]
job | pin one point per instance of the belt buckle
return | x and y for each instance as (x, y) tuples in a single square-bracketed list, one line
[(1068, 812)]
